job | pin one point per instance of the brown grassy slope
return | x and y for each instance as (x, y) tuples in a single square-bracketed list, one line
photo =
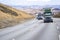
[(10, 16), (57, 15)]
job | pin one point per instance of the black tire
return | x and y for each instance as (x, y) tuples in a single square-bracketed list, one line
[(45, 22), (38, 19), (51, 21)]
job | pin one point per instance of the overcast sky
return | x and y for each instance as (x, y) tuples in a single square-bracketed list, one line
[(31, 2)]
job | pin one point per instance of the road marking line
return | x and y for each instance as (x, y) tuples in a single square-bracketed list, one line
[(13, 39)]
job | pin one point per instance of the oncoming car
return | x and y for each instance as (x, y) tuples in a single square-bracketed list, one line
[(39, 17)]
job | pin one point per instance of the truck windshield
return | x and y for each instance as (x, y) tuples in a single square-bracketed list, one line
[(47, 14)]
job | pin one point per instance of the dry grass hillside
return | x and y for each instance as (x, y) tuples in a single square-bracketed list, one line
[(57, 15), (10, 16)]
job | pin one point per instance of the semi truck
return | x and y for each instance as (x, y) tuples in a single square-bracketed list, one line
[(48, 15)]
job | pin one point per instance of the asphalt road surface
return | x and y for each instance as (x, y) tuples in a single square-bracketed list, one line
[(32, 30)]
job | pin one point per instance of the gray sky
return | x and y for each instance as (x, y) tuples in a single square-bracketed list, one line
[(31, 2)]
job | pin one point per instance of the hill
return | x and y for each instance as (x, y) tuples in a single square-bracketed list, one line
[(57, 15), (10, 16)]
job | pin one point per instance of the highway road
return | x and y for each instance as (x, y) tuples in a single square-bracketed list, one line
[(32, 30)]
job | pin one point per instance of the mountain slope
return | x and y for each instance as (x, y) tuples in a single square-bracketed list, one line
[(57, 15), (10, 16)]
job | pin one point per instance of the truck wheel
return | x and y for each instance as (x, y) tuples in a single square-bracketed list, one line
[(51, 21), (45, 22)]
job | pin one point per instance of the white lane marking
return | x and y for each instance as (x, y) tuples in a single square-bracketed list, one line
[(59, 37), (13, 39), (57, 27)]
